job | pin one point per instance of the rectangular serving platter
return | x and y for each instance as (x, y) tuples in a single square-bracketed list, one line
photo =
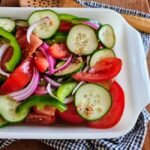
[(133, 78)]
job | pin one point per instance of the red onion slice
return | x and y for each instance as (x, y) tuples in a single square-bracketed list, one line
[(29, 90), (65, 65), (50, 59), (69, 99), (3, 48), (52, 82), (76, 88), (92, 23), (34, 25), (41, 90), (49, 90)]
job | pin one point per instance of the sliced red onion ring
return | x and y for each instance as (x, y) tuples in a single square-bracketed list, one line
[(34, 25), (76, 88), (69, 99), (52, 82), (92, 23), (65, 65), (41, 90), (29, 90), (50, 60), (3, 48), (49, 90)]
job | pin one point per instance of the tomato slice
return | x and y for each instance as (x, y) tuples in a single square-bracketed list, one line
[(59, 50), (102, 71), (19, 78), (41, 62), (39, 119), (114, 114), (71, 115), (28, 48), (107, 64), (65, 26), (47, 110)]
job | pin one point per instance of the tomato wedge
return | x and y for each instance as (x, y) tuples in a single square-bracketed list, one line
[(40, 119), (47, 110), (114, 114), (70, 115), (59, 51), (19, 78), (107, 64), (102, 71), (41, 62), (28, 48), (65, 26)]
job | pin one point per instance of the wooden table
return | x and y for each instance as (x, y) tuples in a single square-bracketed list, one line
[(142, 5)]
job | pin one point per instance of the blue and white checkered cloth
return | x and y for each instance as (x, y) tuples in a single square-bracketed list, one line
[(131, 141)]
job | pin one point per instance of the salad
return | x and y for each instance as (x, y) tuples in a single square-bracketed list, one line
[(59, 67)]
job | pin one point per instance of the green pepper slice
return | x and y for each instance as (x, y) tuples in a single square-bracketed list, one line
[(65, 90), (14, 60), (40, 102)]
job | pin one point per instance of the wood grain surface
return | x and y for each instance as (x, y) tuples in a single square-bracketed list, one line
[(142, 5)]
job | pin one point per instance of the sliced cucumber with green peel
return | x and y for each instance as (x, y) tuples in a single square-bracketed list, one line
[(66, 17), (72, 68), (7, 24), (107, 36), (65, 90), (8, 110), (101, 54), (47, 29), (3, 122), (22, 23), (92, 101), (82, 40)]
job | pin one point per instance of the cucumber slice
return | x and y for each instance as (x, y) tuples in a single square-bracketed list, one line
[(3, 122), (100, 54), (92, 101), (7, 24), (45, 30), (72, 68), (22, 23), (66, 17), (82, 40), (65, 90), (8, 110), (107, 36)]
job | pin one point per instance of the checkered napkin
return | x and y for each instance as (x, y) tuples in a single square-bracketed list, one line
[(135, 138)]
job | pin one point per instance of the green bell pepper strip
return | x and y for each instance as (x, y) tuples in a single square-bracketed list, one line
[(65, 90), (40, 102), (59, 37), (66, 17), (14, 60)]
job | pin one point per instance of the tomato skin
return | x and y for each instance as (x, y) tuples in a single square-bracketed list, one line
[(65, 26), (39, 119), (71, 115), (19, 78), (59, 51), (41, 62), (101, 71), (114, 114), (27, 48), (107, 64), (47, 110)]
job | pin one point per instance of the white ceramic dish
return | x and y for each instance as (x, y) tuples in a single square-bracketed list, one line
[(133, 78)]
